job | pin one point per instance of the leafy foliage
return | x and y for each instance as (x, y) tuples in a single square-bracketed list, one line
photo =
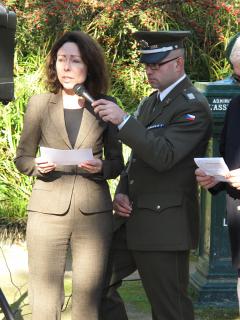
[(111, 22)]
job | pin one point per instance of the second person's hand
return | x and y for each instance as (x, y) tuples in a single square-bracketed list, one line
[(204, 180), (234, 178)]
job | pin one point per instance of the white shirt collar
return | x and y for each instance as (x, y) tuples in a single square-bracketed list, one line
[(166, 91)]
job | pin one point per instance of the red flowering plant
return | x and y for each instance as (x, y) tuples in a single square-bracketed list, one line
[(112, 22)]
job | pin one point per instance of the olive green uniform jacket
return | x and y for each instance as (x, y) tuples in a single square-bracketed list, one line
[(160, 178)]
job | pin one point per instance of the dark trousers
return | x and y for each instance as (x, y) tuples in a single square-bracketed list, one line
[(165, 277)]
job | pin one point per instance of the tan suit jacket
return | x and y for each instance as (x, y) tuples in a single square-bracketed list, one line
[(44, 125)]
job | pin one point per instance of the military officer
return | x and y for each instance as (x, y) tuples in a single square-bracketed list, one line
[(156, 202)]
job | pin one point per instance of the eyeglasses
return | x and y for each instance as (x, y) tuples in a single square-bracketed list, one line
[(156, 66)]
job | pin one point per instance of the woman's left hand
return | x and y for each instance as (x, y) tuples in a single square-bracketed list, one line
[(92, 166), (234, 179)]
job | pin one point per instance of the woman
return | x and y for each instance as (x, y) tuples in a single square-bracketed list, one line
[(69, 205), (230, 151)]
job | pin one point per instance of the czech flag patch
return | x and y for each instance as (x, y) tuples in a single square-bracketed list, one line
[(189, 117)]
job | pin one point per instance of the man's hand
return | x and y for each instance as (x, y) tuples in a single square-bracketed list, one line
[(204, 180), (122, 205), (108, 111)]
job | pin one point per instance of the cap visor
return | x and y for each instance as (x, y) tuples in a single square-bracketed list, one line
[(153, 57)]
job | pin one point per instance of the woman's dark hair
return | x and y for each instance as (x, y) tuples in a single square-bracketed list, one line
[(91, 54)]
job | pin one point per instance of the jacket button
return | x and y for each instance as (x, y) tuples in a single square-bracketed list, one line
[(158, 207), (131, 181), (134, 160)]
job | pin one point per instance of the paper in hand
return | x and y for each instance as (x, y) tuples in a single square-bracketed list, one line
[(215, 167), (66, 157)]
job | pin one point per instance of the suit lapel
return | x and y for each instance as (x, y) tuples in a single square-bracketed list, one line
[(88, 123), (56, 114), (146, 113), (157, 110)]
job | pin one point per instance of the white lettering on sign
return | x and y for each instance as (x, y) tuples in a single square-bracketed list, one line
[(221, 100), (219, 104), (225, 222), (218, 107)]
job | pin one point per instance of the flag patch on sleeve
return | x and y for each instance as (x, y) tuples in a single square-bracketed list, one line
[(189, 117)]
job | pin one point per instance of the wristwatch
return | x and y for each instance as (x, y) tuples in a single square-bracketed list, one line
[(125, 117)]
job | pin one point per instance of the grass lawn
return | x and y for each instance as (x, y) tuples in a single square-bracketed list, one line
[(133, 293)]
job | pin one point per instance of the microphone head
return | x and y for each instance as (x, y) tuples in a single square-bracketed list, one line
[(79, 89)]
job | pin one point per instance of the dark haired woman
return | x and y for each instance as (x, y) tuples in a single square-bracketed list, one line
[(69, 205)]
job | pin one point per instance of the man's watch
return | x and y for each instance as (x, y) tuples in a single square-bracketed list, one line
[(125, 117)]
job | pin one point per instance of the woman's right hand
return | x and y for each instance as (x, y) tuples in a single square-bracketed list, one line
[(44, 166), (204, 180)]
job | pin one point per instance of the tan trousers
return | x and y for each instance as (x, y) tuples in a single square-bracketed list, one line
[(48, 238)]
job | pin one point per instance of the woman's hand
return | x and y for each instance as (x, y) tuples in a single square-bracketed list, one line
[(44, 166), (92, 166), (234, 178), (204, 180)]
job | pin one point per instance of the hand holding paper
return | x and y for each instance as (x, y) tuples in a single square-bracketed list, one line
[(234, 178), (66, 157), (215, 167), (205, 180), (92, 166), (44, 166)]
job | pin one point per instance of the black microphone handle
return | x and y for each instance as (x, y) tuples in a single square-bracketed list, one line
[(87, 96)]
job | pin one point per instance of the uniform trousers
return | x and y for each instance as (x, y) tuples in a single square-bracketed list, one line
[(48, 239), (165, 278)]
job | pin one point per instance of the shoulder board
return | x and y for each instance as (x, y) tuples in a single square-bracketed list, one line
[(189, 95)]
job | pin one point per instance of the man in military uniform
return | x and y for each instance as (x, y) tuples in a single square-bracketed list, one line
[(156, 202)]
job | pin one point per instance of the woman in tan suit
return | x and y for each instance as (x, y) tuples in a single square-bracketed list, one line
[(69, 205)]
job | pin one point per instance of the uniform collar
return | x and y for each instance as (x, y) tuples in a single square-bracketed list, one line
[(165, 92)]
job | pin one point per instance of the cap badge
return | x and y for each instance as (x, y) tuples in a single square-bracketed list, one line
[(144, 44)]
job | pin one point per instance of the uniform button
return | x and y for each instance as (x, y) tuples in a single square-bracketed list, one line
[(131, 181), (134, 160), (158, 207)]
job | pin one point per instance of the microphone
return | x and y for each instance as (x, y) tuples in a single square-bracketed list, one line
[(81, 91)]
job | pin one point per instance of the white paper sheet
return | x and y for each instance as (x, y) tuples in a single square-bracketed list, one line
[(66, 157), (215, 167)]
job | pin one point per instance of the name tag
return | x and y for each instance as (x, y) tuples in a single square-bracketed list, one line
[(156, 126)]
